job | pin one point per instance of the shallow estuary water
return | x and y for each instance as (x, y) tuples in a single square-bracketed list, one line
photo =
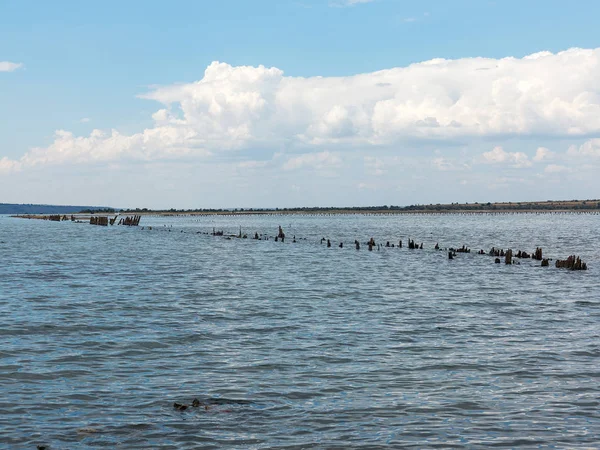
[(296, 345)]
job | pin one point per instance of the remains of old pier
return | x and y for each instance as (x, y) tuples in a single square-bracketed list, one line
[(573, 263)]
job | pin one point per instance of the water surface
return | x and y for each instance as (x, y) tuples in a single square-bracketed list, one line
[(296, 345)]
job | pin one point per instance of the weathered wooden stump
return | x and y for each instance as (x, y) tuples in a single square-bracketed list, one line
[(134, 221), (572, 263), (508, 257)]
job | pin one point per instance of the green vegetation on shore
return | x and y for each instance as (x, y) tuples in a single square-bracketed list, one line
[(549, 205)]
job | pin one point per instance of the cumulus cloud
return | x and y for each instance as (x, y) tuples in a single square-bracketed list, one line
[(590, 148), (7, 66), (518, 160), (543, 154), (246, 108), (100, 146), (8, 165)]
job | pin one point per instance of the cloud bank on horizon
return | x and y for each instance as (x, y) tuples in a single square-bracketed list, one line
[(237, 115)]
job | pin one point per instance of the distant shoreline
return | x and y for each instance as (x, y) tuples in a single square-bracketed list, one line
[(571, 206), (364, 212), (453, 208)]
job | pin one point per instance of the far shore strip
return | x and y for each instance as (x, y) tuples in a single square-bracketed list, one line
[(549, 207)]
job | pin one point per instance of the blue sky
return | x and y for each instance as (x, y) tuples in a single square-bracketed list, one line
[(84, 66)]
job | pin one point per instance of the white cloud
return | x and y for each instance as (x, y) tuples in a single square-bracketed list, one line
[(247, 108), (152, 144), (590, 148), (518, 160), (8, 165), (84, 120), (543, 154), (7, 66), (318, 161)]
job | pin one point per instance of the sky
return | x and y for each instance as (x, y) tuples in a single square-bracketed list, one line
[(277, 103)]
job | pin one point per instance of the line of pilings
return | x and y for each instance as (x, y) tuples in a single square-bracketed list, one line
[(509, 256), (573, 262), (132, 221)]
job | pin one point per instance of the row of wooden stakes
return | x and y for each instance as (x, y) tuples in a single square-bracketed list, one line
[(571, 263), (104, 221)]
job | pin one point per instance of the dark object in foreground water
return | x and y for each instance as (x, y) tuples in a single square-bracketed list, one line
[(497, 260), (179, 406), (572, 263), (450, 255)]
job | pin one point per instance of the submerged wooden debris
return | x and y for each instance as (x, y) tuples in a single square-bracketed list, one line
[(510, 257), (130, 221), (93, 219), (572, 263), (99, 220)]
